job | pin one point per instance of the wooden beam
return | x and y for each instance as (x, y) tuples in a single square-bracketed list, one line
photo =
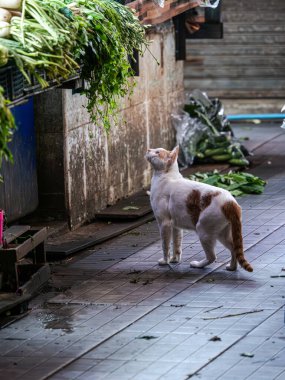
[(151, 14), (15, 231)]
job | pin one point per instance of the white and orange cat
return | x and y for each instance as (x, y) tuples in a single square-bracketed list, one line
[(179, 203)]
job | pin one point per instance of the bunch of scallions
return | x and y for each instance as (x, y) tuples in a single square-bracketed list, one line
[(64, 37)]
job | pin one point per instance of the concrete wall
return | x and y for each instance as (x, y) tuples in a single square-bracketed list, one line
[(97, 169)]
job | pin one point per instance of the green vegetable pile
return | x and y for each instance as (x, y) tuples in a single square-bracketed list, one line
[(63, 37), (7, 126), (236, 183), (221, 149), (217, 142)]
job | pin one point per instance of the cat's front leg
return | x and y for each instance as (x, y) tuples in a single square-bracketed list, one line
[(165, 233), (177, 235)]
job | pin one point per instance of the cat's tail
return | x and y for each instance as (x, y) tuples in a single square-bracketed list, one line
[(232, 212)]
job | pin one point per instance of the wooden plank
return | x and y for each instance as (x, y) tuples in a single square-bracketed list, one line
[(262, 6), (252, 16), (9, 301), (237, 50), (36, 281), (72, 245), (158, 19), (227, 60), (235, 72), (232, 93), (28, 245), (133, 207), (264, 27), (250, 84), (262, 39), (15, 231)]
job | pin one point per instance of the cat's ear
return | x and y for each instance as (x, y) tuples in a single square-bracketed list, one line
[(172, 157), (174, 153)]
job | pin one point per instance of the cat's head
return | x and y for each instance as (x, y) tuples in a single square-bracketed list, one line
[(162, 159)]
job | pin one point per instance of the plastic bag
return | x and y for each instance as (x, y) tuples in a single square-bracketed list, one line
[(213, 109), (204, 133), (208, 3), (283, 124), (189, 132), (159, 2)]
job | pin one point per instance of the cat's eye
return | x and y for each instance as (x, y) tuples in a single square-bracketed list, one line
[(157, 152)]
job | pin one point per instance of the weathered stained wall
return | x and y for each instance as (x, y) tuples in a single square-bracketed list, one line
[(50, 153), (100, 169)]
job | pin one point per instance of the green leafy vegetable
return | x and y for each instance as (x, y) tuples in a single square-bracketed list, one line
[(7, 127), (127, 208), (116, 33), (236, 183), (63, 37)]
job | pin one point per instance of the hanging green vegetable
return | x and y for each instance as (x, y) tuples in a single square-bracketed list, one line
[(59, 36), (7, 127), (110, 35)]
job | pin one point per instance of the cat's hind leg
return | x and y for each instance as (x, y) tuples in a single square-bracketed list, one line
[(208, 243), (165, 234), (225, 238), (177, 235)]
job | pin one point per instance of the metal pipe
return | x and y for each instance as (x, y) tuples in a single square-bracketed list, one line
[(250, 116)]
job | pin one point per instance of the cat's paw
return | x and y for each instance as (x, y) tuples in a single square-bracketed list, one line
[(197, 264), (163, 262), (231, 267), (175, 260)]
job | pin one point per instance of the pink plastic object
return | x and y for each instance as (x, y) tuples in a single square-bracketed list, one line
[(1, 226)]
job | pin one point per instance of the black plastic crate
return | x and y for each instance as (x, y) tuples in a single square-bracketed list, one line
[(17, 89), (13, 82)]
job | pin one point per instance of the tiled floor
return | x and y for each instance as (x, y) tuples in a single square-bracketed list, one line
[(113, 313)]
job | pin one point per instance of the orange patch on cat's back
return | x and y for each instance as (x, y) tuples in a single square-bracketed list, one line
[(193, 204), (196, 203), (207, 199)]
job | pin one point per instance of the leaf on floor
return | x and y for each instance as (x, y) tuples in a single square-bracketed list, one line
[(215, 339), (247, 355), (147, 337), (214, 308), (133, 233), (134, 280), (177, 305), (277, 276), (127, 208), (234, 315)]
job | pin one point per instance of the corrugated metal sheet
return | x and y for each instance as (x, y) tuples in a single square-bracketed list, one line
[(19, 192)]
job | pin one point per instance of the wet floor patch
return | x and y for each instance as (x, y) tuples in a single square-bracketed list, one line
[(57, 320)]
